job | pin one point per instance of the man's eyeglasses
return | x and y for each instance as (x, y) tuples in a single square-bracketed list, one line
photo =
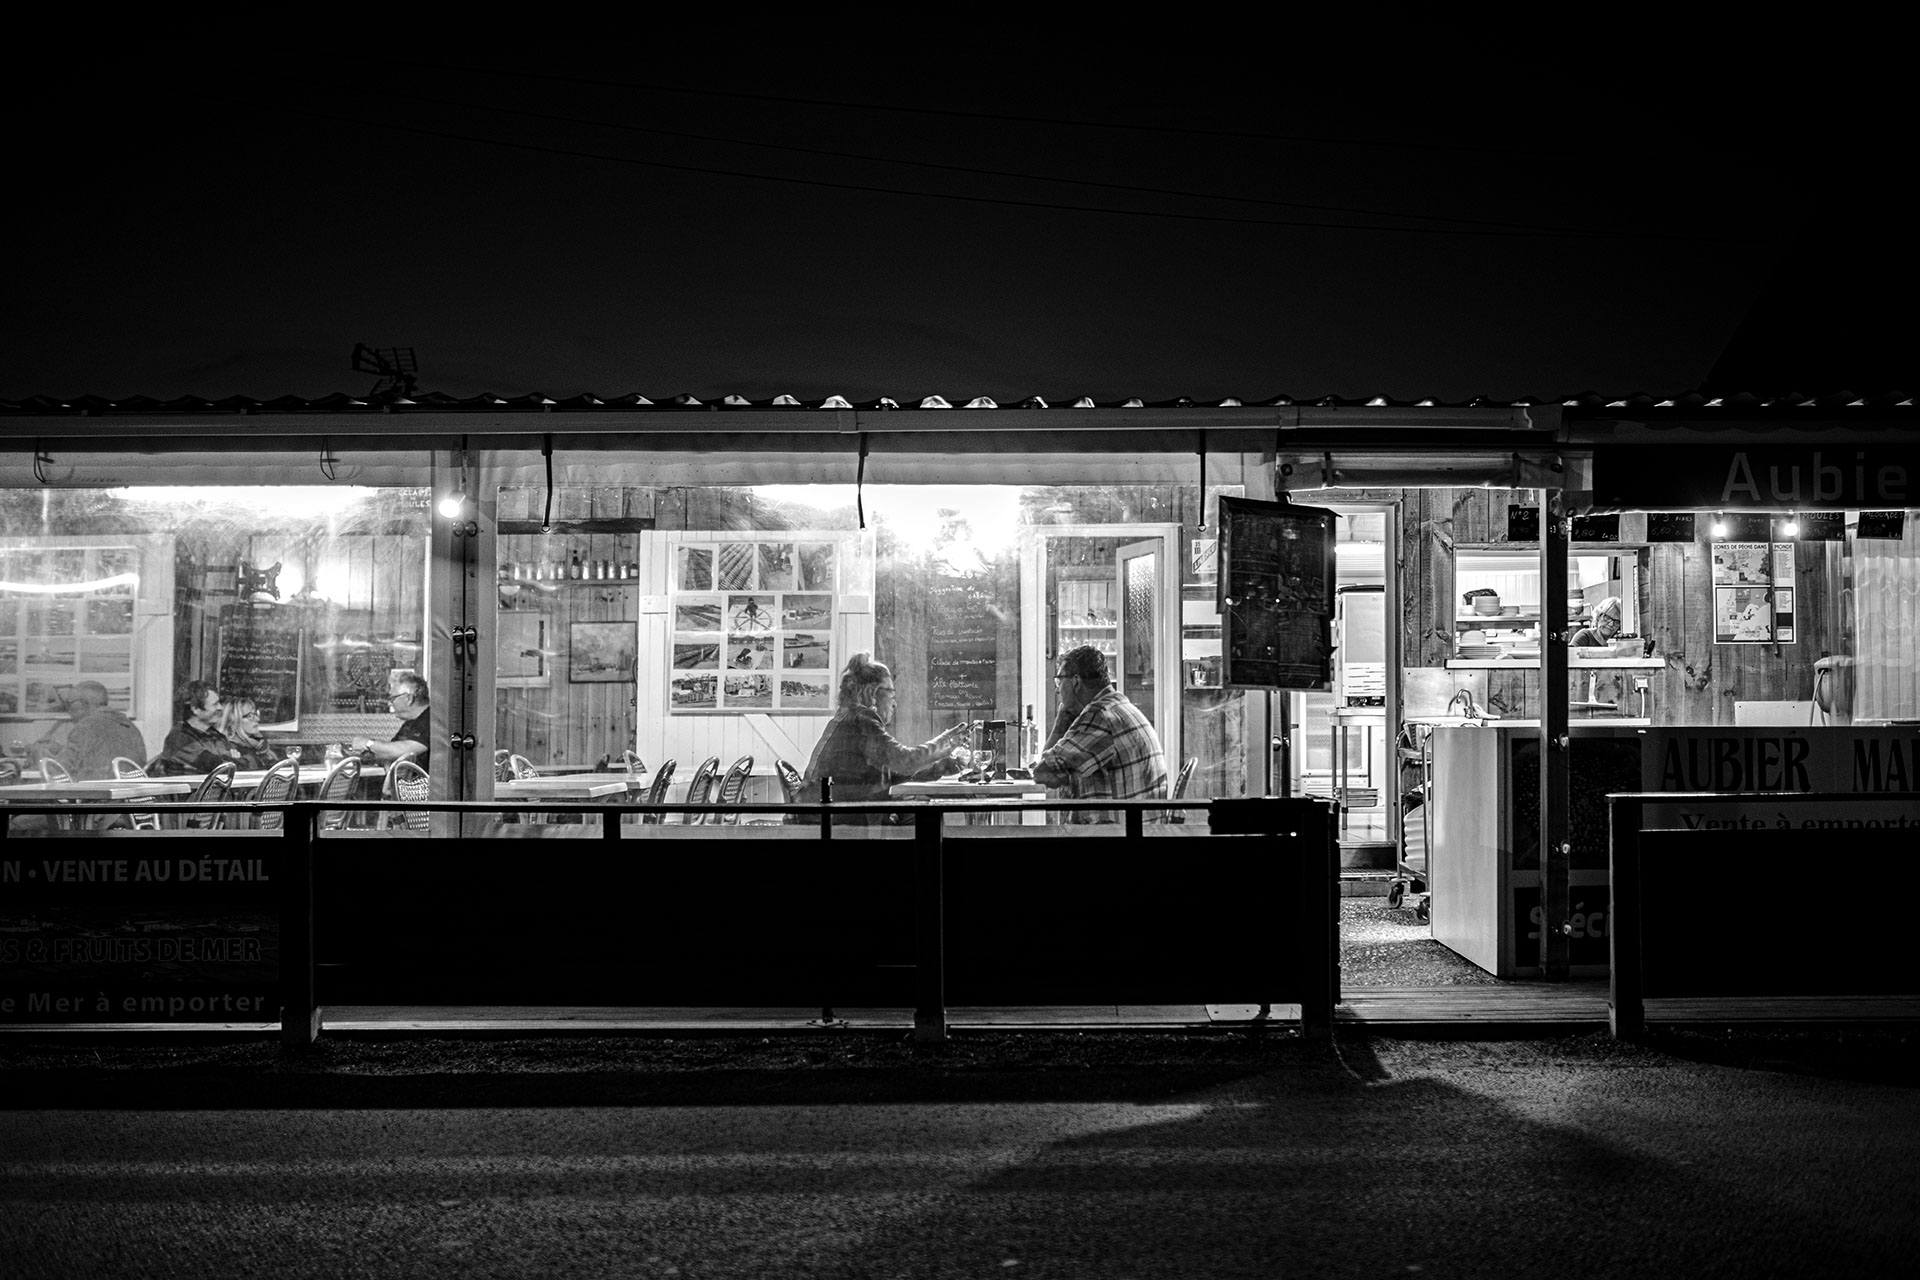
[(885, 688)]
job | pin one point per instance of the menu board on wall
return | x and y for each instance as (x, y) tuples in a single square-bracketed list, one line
[(1276, 595), (260, 659), (751, 624), (66, 615), (963, 644), (1753, 593)]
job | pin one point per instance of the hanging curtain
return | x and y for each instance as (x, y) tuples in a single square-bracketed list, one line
[(1886, 615)]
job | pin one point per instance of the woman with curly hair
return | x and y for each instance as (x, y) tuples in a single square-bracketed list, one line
[(856, 751)]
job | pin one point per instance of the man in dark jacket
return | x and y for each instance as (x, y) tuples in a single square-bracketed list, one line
[(99, 733)]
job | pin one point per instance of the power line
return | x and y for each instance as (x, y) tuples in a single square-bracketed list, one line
[(968, 115), (993, 173), (939, 195)]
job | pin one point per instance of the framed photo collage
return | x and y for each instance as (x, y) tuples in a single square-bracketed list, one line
[(751, 626)]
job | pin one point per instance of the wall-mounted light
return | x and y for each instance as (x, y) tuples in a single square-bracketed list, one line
[(1719, 524), (454, 504), (1791, 529)]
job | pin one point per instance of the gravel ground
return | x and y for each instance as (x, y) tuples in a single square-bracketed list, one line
[(1384, 947)]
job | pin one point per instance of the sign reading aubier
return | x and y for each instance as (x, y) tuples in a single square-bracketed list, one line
[(1764, 477)]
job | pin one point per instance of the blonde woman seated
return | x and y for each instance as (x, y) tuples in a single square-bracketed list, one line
[(239, 724), (856, 751)]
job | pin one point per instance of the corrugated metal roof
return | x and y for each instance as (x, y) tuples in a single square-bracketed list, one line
[(1586, 402)]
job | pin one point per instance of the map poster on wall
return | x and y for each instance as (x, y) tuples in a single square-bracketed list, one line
[(1753, 593), (1276, 595), (963, 644)]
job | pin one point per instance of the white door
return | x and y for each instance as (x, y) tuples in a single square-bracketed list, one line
[(1063, 606), (1140, 665)]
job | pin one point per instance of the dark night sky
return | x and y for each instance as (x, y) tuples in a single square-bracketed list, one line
[(220, 220)]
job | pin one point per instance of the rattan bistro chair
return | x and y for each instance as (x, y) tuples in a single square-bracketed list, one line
[(791, 785), (212, 789), (410, 782), (339, 785), (1180, 789), (657, 790), (701, 786), (276, 787), (732, 787), (521, 767), (125, 770)]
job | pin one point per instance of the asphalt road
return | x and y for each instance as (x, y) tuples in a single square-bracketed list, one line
[(1547, 1158)]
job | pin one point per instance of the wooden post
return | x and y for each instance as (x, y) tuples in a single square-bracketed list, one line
[(1556, 742), (930, 972), (1626, 1003), (299, 1008)]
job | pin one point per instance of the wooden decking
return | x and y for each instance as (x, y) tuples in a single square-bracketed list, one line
[(1466, 1011)]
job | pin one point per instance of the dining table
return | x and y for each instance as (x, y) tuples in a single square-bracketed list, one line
[(96, 789), (954, 791), (572, 786)]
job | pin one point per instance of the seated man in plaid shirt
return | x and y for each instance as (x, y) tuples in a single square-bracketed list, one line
[(1107, 749)]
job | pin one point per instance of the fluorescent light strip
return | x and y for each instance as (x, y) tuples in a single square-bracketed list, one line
[(71, 588)]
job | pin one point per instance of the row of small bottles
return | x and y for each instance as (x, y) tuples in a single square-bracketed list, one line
[(575, 568)]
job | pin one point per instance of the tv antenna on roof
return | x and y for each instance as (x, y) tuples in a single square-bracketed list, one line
[(396, 366)]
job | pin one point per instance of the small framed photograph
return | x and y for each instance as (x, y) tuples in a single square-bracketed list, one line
[(520, 658), (602, 652)]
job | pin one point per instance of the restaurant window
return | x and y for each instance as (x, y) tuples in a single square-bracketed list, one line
[(300, 600), (733, 611)]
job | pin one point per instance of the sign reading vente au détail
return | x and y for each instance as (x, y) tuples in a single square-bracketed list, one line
[(90, 932), (1764, 477)]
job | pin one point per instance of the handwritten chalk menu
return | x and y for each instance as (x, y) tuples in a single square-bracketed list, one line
[(260, 659), (1276, 595), (963, 644)]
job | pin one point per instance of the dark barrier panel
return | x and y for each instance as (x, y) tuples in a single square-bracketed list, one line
[(1746, 896), (630, 922), (1243, 915)]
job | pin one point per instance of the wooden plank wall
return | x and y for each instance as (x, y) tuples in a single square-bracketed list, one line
[(1700, 680), (562, 722)]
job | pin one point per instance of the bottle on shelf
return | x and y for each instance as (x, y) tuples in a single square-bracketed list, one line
[(573, 567)]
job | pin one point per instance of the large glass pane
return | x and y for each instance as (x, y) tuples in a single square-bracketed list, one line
[(285, 612), (705, 626)]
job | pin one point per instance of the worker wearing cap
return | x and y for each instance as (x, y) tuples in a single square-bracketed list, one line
[(1605, 626)]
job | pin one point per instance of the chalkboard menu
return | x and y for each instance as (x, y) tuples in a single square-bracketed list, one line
[(261, 661), (963, 644), (1276, 595)]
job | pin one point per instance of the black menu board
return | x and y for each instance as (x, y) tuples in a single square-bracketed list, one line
[(1276, 595), (963, 644), (261, 661)]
